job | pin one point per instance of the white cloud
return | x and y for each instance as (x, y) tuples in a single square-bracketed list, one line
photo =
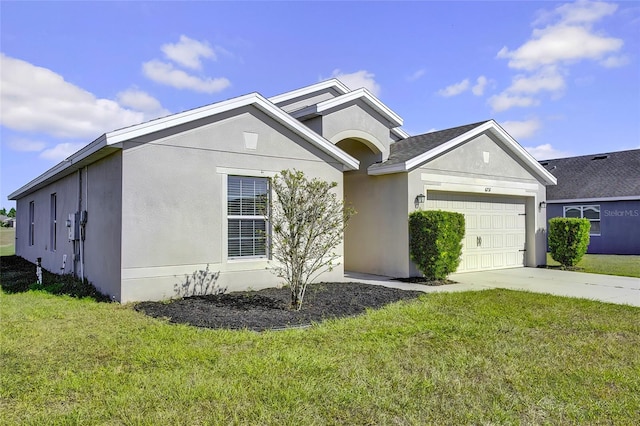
[(142, 101), (565, 36), (36, 99), (505, 101), (584, 12), (26, 145), (416, 75), (358, 79), (454, 89), (615, 61), (188, 52), (522, 129), (480, 85), (61, 151), (560, 45), (165, 73), (547, 80), (569, 39), (546, 152)]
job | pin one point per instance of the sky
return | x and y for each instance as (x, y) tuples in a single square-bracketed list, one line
[(562, 78)]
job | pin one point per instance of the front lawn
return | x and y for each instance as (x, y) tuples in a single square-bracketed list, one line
[(7, 241), (490, 357), (608, 264)]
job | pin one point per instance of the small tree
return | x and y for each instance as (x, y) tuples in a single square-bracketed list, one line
[(3, 211), (568, 239), (307, 223), (12, 212), (435, 242)]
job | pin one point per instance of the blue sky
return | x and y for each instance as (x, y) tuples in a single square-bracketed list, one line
[(562, 78)]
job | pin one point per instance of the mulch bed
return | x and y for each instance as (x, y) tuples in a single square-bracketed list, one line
[(269, 309)]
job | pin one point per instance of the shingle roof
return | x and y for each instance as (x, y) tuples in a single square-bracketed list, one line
[(409, 148), (614, 174)]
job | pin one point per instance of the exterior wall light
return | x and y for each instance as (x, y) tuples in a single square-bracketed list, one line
[(542, 205), (419, 201)]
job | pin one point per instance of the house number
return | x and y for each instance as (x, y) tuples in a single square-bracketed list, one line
[(487, 189)]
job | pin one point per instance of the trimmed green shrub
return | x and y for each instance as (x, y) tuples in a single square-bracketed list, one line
[(568, 239), (435, 242)]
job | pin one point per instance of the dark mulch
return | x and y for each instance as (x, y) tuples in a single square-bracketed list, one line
[(422, 280), (269, 309)]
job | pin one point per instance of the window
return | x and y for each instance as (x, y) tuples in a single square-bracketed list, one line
[(247, 204), (54, 222), (585, 212), (32, 223)]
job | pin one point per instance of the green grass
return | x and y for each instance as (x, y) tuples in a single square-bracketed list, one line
[(608, 264), (7, 241), (490, 357)]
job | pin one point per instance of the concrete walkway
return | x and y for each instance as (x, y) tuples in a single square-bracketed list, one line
[(605, 288)]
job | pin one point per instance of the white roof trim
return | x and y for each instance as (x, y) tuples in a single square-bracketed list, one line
[(398, 131), (112, 139), (490, 125), (594, 200), (360, 94), (367, 97), (327, 84)]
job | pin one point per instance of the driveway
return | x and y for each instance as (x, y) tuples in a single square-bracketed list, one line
[(605, 288)]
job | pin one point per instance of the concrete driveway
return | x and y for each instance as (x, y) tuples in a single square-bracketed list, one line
[(605, 288)]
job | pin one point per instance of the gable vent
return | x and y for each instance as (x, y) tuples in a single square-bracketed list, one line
[(600, 157)]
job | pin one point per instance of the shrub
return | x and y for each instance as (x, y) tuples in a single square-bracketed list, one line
[(435, 242), (568, 239)]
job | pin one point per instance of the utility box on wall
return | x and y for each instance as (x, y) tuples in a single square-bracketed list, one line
[(73, 225)]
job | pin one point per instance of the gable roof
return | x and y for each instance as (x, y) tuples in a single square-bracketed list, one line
[(112, 141), (407, 154), (595, 177), (332, 83), (359, 94)]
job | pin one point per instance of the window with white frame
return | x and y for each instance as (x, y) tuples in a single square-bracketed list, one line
[(32, 222), (247, 210), (54, 222), (586, 212)]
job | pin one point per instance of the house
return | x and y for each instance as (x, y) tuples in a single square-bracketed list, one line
[(109, 210), (7, 222), (604, 188)]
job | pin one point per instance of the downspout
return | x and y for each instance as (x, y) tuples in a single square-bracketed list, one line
[(80, 226), (83, 220)]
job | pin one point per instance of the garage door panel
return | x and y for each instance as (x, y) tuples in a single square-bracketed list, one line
[(494, 228)]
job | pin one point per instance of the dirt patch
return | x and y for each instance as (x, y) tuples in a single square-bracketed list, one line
[(268, 309)]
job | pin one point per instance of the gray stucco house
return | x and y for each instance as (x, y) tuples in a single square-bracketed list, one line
[(604, 188), (110, 209)]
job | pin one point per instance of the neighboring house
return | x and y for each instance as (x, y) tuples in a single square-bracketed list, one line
[(604, 188), (110, 209), (7, 222)]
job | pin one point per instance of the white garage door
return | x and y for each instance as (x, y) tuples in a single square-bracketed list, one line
[(495, 228)]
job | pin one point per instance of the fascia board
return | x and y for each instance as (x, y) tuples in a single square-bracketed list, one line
[(398, 131), (389, 169), (61, 167), (303, 91), (367, 97), (152, 126), (320, 142)]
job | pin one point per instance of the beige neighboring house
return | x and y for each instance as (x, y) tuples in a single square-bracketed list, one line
[(139, 210)]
